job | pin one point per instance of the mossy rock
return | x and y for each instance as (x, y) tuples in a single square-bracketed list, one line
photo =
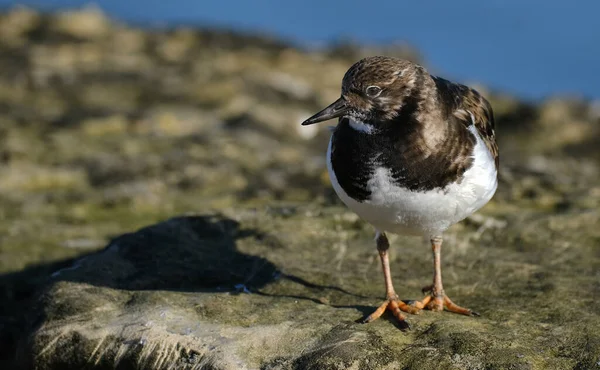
[(285, 288)]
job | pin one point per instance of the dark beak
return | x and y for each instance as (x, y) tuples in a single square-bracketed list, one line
[(336, 109)]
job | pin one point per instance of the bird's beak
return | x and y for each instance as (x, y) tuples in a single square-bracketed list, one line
[(334, 110)]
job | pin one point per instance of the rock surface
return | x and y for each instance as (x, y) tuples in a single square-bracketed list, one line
[(282, 289), (106, 129)]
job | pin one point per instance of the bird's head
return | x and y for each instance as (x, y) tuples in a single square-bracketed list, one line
[(373, 89)]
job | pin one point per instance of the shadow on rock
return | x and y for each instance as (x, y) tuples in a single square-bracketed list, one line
[(192, 253), (139, 278), (185, 254)]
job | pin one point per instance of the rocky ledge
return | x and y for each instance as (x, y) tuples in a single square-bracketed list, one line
[(243, 257), (285, 288)]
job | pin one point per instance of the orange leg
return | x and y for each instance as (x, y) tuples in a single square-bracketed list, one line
[(392, 303), (436, 300)]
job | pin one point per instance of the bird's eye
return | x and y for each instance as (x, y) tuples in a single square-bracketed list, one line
[(373, 91)]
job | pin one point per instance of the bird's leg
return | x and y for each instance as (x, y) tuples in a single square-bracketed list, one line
[(436, 300), (392, 302)]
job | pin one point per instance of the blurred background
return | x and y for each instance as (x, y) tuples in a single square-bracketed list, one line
[(532, 49), (119, 114)]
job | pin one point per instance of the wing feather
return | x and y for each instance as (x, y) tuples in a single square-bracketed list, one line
[(470, 108)]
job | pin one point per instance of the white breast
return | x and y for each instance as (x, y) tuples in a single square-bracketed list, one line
[(399, 210)]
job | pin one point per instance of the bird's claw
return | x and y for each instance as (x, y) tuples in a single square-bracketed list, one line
[(440, 301)]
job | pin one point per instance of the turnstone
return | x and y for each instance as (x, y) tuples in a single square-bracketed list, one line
[(411, 154)]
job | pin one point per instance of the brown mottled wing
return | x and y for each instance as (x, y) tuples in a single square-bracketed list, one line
[(460, 102)]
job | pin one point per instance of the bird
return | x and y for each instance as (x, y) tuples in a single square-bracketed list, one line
[(411, 154)]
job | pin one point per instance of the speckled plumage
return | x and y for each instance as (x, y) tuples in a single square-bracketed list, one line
[(418, 127), (411, 154)]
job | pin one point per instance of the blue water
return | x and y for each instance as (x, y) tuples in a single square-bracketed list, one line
[(531, 48)]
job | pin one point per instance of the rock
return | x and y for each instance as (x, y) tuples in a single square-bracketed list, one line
[(88, 23), (16, 24), (177, 121), (209, 292), (176, 46), (38, 178), (107, 128)]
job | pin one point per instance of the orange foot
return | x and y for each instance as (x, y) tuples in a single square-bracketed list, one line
[(394, 304), (436, 301)]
